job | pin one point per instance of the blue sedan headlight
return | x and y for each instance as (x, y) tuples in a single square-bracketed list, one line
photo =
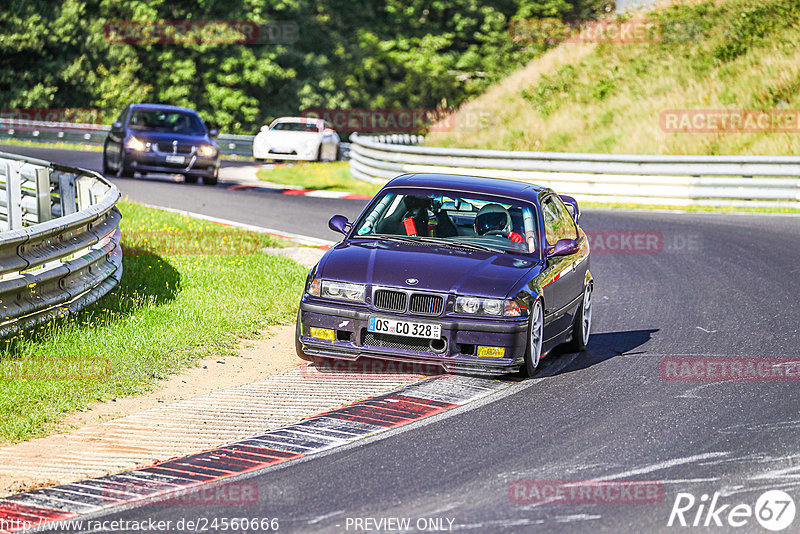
[(337, 290), (484, 306)]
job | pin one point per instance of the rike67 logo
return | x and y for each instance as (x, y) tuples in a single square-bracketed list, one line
[(774, 510)]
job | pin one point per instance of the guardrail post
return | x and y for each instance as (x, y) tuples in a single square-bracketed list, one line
[(84, 194), (66, 189), (43, 194), (13, 196)]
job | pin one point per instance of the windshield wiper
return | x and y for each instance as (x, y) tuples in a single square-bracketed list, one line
[(458, 244), (431, 240)]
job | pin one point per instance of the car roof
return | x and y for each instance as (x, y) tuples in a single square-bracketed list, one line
[(489, 186), (162, 107)]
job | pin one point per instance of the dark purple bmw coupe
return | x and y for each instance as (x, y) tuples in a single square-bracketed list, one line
[(477, 275)]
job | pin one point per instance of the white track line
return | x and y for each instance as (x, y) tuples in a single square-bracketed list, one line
[(298, 238)]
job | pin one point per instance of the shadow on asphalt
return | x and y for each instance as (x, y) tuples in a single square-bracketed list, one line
[(603, 347)]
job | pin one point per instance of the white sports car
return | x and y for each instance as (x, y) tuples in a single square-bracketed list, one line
[(297, 138)]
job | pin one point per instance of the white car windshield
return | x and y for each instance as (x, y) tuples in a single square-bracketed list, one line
[(456, 219), (295, 127)]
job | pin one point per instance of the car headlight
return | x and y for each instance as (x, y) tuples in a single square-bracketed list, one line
[(337, 290), (207, 151), (135, 144), (484, 306)]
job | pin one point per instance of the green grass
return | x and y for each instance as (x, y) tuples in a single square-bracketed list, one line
[(333, 176), (609, 97), (63, 146), (189, 289)]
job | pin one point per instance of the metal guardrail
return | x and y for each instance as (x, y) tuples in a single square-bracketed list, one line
[(736, 181), (95, 135), (60, 248)]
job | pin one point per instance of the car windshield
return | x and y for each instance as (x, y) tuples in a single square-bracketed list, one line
[(295, 127), (166, 121), (452, 219)]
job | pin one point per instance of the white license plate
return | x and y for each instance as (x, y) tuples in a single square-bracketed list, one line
[(176, 159), (404, 328)]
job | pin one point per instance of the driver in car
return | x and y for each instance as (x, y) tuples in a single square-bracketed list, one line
[(494, 219)]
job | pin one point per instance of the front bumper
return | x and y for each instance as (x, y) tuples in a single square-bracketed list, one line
[(193, 164), (265, 150), (461, 339)]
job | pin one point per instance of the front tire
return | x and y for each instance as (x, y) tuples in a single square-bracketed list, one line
[(533, 354), (106, 168), (123, 171), (211, 180), (582, 326)]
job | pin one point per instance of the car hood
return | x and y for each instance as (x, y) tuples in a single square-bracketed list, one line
[(165, 137), (288, 137), (441, 269)]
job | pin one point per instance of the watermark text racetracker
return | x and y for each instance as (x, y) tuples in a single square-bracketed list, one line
[(631, 31), (193, 32), (730, 121), (52, 115), (183, 524), (401, 120), (370, 369), (585, 492), (642, 242), (721, 368), (55, 368)]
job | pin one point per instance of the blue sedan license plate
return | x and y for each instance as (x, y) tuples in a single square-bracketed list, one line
[(404, 328)]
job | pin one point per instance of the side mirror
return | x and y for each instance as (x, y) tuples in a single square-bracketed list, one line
[(116, 125), (564, 247), (265, 128), (339, 223), (213, 132)]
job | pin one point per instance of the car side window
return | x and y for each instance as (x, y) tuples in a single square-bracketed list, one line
[(558, 223)]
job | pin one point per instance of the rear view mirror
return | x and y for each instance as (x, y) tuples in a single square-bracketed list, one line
[(564, 247)]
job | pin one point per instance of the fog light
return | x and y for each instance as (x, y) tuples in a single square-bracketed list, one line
[(491, 352), (322, 333)]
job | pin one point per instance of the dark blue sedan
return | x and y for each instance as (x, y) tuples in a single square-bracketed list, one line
[(472, 274), (162, 139)]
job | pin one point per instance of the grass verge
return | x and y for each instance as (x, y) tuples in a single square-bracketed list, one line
[(609, 97), (189, 289), (334, 176)]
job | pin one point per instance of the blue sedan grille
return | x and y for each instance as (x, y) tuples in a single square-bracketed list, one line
[(398, 301), (426, 304), (390, 300)]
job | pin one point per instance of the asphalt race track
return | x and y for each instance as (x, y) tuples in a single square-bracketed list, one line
[(288, 213), (716, 286)]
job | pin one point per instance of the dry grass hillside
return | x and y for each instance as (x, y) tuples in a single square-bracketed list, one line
[(609, 97)]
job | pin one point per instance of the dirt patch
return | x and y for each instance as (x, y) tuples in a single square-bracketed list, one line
[(257, 359)]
